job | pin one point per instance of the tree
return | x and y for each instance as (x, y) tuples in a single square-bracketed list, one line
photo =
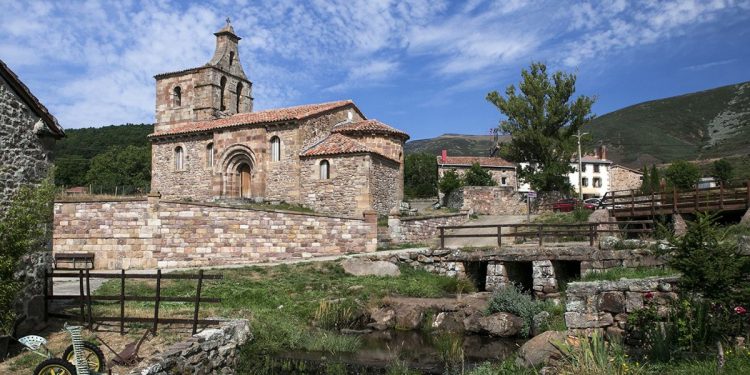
[(682, 175), (645, 182), (478, 176), (542, 120), (655, 179), (129, 166), (723, 171), (420, 175), (449, 182)]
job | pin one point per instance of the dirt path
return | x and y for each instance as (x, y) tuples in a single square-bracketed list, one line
[(453, 243)]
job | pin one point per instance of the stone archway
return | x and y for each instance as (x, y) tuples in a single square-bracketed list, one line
[(237, 168)]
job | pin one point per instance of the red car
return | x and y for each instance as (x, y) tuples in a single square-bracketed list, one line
[(569, 204)]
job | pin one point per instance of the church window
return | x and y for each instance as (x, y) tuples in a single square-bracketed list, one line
[(223, 86), (275, 149), (179, 158), (177, 96), (239, 97), (231, 58), (210, 155), (325, 170)]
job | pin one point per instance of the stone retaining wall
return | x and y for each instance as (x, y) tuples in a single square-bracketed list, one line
[(605, 305), (29, 301), (211, 351), (420, 229), (488, 200), (132, 234)]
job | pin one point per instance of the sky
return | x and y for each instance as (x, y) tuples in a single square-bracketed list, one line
[(421, 66)]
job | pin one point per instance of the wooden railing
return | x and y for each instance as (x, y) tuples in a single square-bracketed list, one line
[(635, 203), (85, 299), (542, 231)]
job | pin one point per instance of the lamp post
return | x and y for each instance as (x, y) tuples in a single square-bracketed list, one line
[(580, 165)]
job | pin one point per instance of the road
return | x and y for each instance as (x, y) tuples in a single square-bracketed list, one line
[(453, 243)]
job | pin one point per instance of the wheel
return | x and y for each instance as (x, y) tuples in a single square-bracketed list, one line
[(91, 352), (55, 366)]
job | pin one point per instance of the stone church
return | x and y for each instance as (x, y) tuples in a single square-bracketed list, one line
[(208, 144)]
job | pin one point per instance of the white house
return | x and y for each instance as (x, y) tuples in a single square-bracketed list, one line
[(596, 174)]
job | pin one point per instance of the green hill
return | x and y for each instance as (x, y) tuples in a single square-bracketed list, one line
[(702, 125), (456, 144)]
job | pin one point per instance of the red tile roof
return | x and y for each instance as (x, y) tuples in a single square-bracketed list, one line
[(368, 126), (469, 160), (339, 144), (262, 117), (25, 94)]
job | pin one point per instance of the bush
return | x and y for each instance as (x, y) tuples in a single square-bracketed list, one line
[(478, 176), (449, 182), (682, 175), (510, 299)]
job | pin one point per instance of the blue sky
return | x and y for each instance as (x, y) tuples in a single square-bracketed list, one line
[(421, 66)]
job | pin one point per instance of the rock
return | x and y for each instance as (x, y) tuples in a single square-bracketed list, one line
[(539, 323), (501, 324), (588, 320), (541, 349), (608, 242), (633, 301), (408, 317), (358, 267), (383, 318), (615, 333), (471, 323), (679, 224), (449, 322), (613, 302)]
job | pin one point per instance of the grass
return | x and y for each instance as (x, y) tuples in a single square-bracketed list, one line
[(401, 246), (613, 274)]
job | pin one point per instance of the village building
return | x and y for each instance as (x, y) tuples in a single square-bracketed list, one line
[(502, 171), (208, 144), (624, 178), (27, 134)]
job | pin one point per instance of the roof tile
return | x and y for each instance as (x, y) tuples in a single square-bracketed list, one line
[(373, 126), (338, 144)]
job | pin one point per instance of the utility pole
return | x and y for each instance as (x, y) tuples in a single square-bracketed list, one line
[(580, 165)]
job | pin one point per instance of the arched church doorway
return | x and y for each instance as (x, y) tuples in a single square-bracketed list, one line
[(244, 171)]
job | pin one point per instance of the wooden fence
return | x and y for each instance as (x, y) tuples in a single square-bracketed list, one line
[(85, 299), (542, 231)]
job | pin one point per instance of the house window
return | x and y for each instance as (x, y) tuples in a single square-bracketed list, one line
[(584, 167), (210, 155), (177, 96), (597, 182), (585, 182), (596, 168), (276, 149), (179, 158), (223, 86), (325, 170), (503, 181), (239, 97)]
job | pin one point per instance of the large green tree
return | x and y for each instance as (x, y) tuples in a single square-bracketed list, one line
[(420, 175), (128, 168), (449, 182), (478, 176), (682, 175), (723, 171), (542, 119)]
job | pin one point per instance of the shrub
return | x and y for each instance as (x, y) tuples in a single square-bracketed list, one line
[(510, 299), (682, 175), (449, 182), (478, 176)]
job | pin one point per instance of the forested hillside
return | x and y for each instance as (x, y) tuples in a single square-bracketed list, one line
[(115, 155)]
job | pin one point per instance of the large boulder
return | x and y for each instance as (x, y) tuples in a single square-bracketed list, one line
[(382, 317), (408, 317), (360, 267), (541, 349), (501, 324)]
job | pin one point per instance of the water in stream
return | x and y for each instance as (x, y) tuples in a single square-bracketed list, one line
[(428, 353)]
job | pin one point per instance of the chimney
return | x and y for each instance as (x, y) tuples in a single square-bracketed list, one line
[(603, 152), (444, 156)]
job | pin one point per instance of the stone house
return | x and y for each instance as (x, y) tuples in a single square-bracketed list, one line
[(208, 144), (502, 171), (624, 178), (27, 134)]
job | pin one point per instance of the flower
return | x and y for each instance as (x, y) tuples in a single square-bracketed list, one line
[(740, 310), (648, 295)]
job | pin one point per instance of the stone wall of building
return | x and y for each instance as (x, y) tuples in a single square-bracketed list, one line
[(404, 229), (385, 177), (193, 180), (488, 200), (283, 176), (134, 234), (24, 153), (315, 129), (346, 191), (497, 174), (211, 351), (606, 304), (29, 301), (622, 178)]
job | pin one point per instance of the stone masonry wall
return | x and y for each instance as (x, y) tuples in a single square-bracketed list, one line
[(283, 176), (384, 178), (193, 180), (211, 351), (420, 229), (488, 200), (606, 304), (345, 192), (24, 155), (624, 179), (134, 234)]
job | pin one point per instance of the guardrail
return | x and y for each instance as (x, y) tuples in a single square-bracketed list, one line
[(540, 231)]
